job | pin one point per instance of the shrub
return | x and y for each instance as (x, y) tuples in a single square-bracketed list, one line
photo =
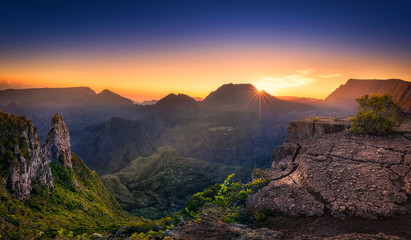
[(377, 115), (227, 200), (314, 119)]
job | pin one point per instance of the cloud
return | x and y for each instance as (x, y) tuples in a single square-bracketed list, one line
[(330, 75), (305, 71), (288, 81), (7, 84), (272, 83)]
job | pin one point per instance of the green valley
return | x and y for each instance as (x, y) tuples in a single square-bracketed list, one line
[(160, 184)]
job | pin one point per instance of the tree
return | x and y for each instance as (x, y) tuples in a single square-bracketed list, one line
[(377, 115)]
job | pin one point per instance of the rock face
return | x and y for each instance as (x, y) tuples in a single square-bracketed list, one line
[(22, 162), (57, 145), (322, 169), (350, 236), (209, 228), (315, 127), (217, 229)]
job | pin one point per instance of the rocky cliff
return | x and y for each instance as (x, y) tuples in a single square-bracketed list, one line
[(23, 163), (57, 145), (324, 172), (59, 194)]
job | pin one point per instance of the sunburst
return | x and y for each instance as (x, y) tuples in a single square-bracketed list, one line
[(262, 98)]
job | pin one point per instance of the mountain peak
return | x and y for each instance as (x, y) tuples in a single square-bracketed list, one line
[(57, 145), (237, 87), (108, 92), (239, 97), (107, 97), (21, 162), (173, 99), (230, 93)]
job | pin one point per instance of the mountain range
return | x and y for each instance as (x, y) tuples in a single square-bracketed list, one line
[(153, 158), (236, 125), (61, 97)]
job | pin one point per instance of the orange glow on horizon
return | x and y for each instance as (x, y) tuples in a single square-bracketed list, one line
[(298, 72)]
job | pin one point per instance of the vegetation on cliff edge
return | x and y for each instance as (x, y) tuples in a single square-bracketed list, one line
[(377, 115), (78, 204)]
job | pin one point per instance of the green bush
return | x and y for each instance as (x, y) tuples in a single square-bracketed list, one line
[(227, 200), (377, 115)]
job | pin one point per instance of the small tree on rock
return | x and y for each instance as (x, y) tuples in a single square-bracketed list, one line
[(377, 115)]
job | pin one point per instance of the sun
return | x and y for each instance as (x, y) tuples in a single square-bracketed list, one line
[(262, 86), (259, 95)]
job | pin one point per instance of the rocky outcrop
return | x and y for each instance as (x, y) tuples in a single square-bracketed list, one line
[(330, 171), (216, 229), (351, 236), (315, 127), (57, 145), (22, 164)]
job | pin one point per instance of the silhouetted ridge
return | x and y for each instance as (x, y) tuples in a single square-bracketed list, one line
[(174, 108), (60, 97), (172, 99), (344, 96), (110, 98), (230, 94), (245, 97)]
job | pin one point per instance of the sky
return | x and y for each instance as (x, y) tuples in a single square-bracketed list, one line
[(146, 49)]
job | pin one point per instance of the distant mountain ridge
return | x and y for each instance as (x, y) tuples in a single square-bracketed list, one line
[(345, 95), (301, 99), (60, 97)]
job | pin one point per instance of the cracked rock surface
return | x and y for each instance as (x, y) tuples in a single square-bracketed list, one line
[(216, 229), (323, 169)]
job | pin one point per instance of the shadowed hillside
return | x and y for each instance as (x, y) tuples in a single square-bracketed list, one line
[(156, 185), (48, 195), (345, 95)]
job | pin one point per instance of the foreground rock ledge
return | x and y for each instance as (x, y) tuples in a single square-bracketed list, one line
[(214, 229), (323, 169)]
